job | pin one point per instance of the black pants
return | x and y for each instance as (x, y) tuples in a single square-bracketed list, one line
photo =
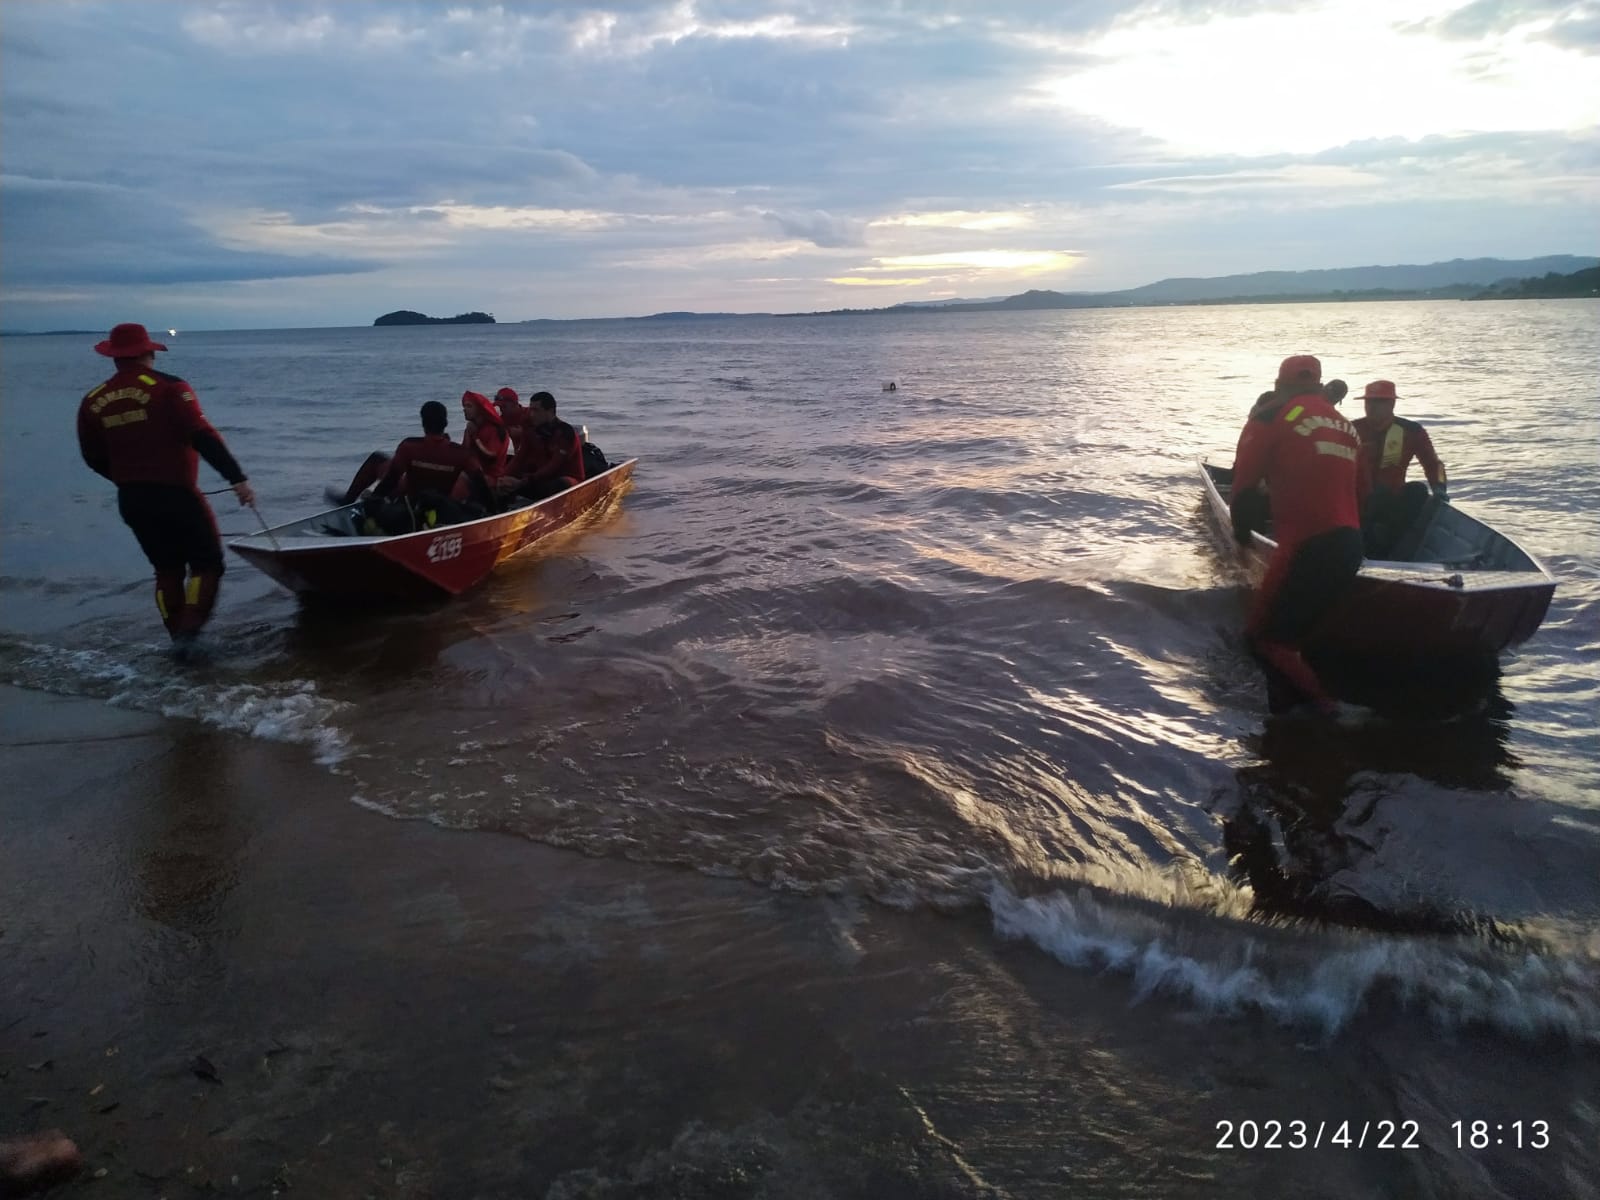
[(1318, 577), (174, 526)]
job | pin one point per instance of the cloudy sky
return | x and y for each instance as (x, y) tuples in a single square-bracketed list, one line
[(256, 164)]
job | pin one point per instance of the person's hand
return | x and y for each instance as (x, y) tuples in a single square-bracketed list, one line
[(246, 493)]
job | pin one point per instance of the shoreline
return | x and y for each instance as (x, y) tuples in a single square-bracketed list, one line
[(218, 973)]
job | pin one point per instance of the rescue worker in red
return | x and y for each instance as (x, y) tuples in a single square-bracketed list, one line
[(551, 458), (143, 430), (433, 464), (485, 434), (1388, 444), (514, 415), (1308, 457)]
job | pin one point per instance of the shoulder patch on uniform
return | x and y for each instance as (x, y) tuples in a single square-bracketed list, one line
[(1294, 413), (147, 380), (93, 392)]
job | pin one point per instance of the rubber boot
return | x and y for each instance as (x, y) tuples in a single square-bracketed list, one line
[(170, 600)]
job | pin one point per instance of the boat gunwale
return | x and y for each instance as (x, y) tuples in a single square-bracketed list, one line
[(263, 543), (1411, 574)]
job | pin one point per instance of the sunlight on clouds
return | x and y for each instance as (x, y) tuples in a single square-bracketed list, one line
[(1303, 175), (1306, 81), (864, 281), (1022, 261), (984, 222), (471, 216)]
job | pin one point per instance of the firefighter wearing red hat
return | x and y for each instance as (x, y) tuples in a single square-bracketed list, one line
[(1309, 458), (143, 430), (514, 415), (1388, 445)]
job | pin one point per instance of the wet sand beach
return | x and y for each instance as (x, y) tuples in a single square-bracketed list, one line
[(220, 979)]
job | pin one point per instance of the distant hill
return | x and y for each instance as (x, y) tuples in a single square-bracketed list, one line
[(1550, 286), (1457, 279), (405, 316)]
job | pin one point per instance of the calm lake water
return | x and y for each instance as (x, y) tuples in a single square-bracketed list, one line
[(967, 646)]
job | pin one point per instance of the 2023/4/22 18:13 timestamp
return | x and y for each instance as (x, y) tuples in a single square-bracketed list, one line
[(1518, 1135)]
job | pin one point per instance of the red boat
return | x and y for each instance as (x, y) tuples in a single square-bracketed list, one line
[(1457, 588), (327, 554)]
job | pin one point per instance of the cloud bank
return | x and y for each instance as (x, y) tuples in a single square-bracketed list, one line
[(331, 161)]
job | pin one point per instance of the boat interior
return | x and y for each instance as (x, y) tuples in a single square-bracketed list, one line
[(1438, 535), (349, 521)]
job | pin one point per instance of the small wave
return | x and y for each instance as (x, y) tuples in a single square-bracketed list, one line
[(1457, 983), (280, 711)]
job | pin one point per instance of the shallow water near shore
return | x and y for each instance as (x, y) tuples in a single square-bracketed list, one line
[(917, 721)]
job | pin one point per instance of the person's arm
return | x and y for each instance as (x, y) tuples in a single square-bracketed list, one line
[(92, 444), (1431, 466), (478, 488), (1249, 470), (207, 442), (556, 463), (397, 469)]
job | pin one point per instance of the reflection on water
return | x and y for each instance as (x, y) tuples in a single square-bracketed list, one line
[(903, 644), (1302, 834)]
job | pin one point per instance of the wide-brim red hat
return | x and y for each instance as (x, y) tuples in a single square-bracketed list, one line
[(127, 341), (1379, 389)]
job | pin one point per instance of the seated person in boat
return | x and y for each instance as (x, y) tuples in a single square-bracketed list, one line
[(1308, 455), (429, 470), (513, 414), (1388, 444), (485, 434), (551, 458)]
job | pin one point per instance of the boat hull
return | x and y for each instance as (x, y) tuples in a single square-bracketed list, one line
[(429, 564), (1406, 611)]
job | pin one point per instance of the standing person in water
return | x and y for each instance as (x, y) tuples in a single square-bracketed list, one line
[(143, 430), (1308, 456)]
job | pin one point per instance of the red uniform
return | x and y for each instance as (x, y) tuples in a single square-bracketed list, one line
[(1388, 452), (549, 451), (1309, 458), (514, 415), (431, 463), (145, 426), (485, 434), (143, 430)]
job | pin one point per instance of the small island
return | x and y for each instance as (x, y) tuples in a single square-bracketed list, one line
[(405, 316)]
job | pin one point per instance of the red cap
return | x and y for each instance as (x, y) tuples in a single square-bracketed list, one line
[(481, 402), (506, 396), (1300, 366), (1379, 389), (127, 341)]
